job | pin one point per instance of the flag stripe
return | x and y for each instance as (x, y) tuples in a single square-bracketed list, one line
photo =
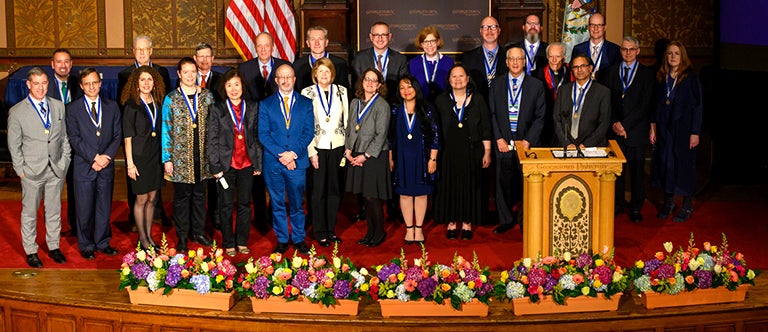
[(245, 19)]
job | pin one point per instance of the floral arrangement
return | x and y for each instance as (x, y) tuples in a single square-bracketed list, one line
[(562, 277), (691, 268), (459, 282), (317, 278), (167, 269)]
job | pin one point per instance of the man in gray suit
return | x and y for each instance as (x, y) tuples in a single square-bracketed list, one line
[(37, 140)]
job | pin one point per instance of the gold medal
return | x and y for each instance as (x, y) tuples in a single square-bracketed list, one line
[(622, 96), (461, 125), (576, 115), (410, 136), (357, 127), (47, 131), (327, 119), (667, 101), (154, 134), (490, 77), (239, 136), (98, 133), (194, 125)]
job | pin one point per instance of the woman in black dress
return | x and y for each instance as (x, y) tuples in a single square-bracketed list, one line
[(414, 140), (465, 127), (142, 118), (366, 152)]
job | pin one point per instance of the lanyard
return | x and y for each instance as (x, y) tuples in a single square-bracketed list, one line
[(238, 124), (361, 114), (96, 122), (409, 121), (193, 107), (530, 59), (672, 87), (625, 83), (286, 113), (323, 102), (151, 113), (490, 70), (580, 102), (459, 112), (45, 118), (383, 63), (514, 93), (430, 78), (312, 59)]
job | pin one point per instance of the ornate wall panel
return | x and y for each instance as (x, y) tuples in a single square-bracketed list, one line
[(688, 21), (571, 211), (37, 27)]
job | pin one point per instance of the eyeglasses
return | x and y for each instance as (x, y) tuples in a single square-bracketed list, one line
[(583, 66), (284, 77), (204, 56), (491, 27), (533, 24), (89, 84), (631, 49), (379, 35), (516, 59), (142, 50), (429, 42), (593, 25), (371, 80)]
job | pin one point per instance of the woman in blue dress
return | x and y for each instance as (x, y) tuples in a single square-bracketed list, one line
[(414, 144), (431, 68)]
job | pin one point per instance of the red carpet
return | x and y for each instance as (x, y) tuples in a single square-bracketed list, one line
[(743, 222)]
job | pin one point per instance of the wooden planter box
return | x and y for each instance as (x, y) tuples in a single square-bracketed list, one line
[(185, 298), (275, 304), (696, 297), (391, 308), (546, 305)]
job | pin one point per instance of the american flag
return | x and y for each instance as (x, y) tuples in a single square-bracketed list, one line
[(247, 18)]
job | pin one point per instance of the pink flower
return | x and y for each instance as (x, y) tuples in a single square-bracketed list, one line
[(578, 278), (318, 263), (410, 285), (734, 276), (739, 256), (549, 260), (344, 267), (707, 246)]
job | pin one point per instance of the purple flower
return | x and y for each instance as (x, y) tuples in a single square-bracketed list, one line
[(388, 270), (651, 266), (666, 271), (140, 271), (704, 278), (174, 275), (301, 280), (341, 289), (604, 273), (470, 275), (487, 287), (414, 273), (583, 260), (550, 284), (264, 261), (537, 277), (427, 287), (259, 287)]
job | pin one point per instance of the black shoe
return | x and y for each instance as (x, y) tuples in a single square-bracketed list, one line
[(618, 210), (202, 240), (405, 240), (360, 216), (301, 247), (181, 247), (666, 211), (109, 251), (87, 254), (34, 261), (324, 243), (452, 234), (466, 234), (281, 248), (334, 238), (57, 256), (503, 228), (683, 215), (364, 240), (635, 216), (375, 243)]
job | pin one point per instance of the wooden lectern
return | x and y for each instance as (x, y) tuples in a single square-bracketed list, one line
[(568, 202)]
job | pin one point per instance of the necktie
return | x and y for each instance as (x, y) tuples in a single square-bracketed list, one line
[(264, 74), (202, 82), (575, 119), (378, 62), (64, 93), (287, 112), (514, 84), (595, 51), (43, 110), (93, 111), (626, 75), (490, 57)]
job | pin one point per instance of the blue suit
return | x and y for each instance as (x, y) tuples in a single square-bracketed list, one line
[(276, 139), (93, 190)]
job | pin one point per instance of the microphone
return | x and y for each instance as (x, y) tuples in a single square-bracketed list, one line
[(566, 133)]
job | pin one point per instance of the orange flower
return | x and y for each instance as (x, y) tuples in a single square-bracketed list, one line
[(689, 280), (524, 280), (739, 256), (672, 280), (392, 278), (410, 285), (445, 287), (654, 282), (328, 283), (246, 284), (578, 278), (445, 273), (659, 255), (269, 270), (374, 281), (312, 278)]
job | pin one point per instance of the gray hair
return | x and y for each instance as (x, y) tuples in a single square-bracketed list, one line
[(35, 71), (140, 37), (632, 40)]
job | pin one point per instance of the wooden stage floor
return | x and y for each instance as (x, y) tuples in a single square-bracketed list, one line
[(89, 300)]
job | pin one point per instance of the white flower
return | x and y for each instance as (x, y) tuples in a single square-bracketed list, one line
[(527, 263), (668, 246), (249, 267), (363, 271), (337, 262), (297, 262), (567, 256)]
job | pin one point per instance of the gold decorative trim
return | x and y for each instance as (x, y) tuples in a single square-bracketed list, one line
[(571, 208)]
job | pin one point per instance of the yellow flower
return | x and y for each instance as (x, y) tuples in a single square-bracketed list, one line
[(445, 287), (127, 271), (668, 246), (363, 271), (204, 266), (219, 258), (219, 278), (597, 283), (219, 252), (504, 276), (157, 262), (617, 276), (191, 254), (599, 262), (639, 264), (471, 284), (391, 294), (364, 287), (294, 291), (567, 256), (751, 274), (527, 263), (417, 262), (330, 274), (277, 290), (141, 256), (378, 268), (200, 252), (462, 274), (677, 267), (714, 249), (337, 262), (585, 290), (182, 261), (400, 276), (249, 267), (296, 262), (483, 278)]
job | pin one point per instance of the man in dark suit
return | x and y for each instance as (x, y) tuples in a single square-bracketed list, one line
[(142, 53), (535, 49), (259, 76), (259, 72), (286, 126), (602, 52), (631, 85), (206, 77), (392, 64), (317, 41), (582, 110), (484, 62), (65, 86), (37, 142), (95, 132), (517, 115), (554, 75)]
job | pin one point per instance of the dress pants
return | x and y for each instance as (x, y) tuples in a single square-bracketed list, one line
[(635, 167), (284, 184), (326, 191), (189, 209), (240, 182), (509, 186), (32, 188), (94, 207)]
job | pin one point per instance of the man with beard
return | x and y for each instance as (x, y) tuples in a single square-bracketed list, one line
[(535, 49)]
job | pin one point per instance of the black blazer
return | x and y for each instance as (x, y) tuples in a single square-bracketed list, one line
[(123, 75), (611, 56), (73, 84), (634, 109), (221, 136), (397, 67), (531, 115), (595, 118), (84, 141), (303, 71), (551, 86), (474, 62), (540, 58), (258, 86)]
